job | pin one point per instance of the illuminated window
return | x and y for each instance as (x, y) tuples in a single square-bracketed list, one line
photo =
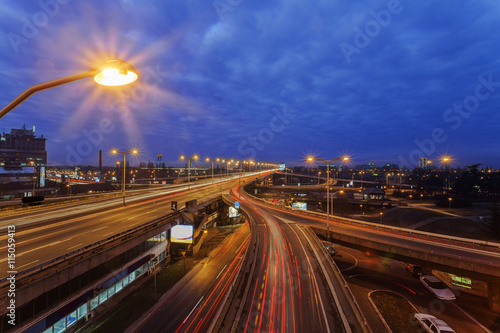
[(82, 311), (94, 303), (103, 296), (71, 319), (118, 286)]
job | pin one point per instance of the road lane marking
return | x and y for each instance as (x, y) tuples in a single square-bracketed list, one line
[(190, 313), (111, 217), (107, 226), (223, 268), (472, 318), (69, 248), (313, 277), (41, 247), (18, 267)]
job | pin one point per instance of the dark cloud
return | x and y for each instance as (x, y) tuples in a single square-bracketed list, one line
[(214, 79)]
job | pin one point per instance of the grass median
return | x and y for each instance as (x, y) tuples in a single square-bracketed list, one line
[(396, 310)]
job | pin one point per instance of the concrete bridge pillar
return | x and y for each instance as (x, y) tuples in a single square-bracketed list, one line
[(494, 296)]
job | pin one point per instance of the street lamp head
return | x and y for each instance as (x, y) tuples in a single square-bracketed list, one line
[(182, 157), (446, 159), (346, 158), (114, 151), (310, 158), (115, 73), (195, 157), (134, 151), (207, 159)]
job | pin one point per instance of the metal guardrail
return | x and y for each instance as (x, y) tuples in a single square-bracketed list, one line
[(124, 235), (104, 243), (358, 313)]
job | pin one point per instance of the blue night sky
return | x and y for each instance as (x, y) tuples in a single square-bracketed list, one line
[(383, 81)]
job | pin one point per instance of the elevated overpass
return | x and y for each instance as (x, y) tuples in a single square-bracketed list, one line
[(67, 256), (461, 256)]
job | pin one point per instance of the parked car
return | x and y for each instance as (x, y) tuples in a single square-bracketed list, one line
[(329, 247), (437, 287), (415, 270), (432, 324)]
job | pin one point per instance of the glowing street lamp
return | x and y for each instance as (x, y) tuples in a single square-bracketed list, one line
[(32, 163), (133, 152), (446, 160), (208, 159), (111, 73), (314, 159), (194, 157)]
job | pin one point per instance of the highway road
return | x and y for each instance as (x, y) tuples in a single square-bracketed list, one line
[(287, 288), (46, 233), (367, 272), (196, 303), (413, 241)]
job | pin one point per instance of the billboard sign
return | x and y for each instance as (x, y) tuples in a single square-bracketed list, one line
[(181, 233), (299, 205), (282, 167), (233, 212)]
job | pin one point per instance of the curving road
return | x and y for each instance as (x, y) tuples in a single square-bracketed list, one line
[(288, 285), (195, 304)]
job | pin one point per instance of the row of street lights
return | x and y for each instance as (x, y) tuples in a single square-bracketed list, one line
[(221, 161), (114, 72)]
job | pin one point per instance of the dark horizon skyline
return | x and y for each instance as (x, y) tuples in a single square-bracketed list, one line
[(382, 81)]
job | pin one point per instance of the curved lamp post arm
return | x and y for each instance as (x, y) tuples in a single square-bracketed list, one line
[(43, 86), (114, 72)]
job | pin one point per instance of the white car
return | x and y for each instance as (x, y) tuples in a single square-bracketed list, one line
[(437, 287), (433, 325)]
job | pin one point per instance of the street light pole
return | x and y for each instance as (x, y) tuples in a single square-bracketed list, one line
[(34, 175), (111, 73), (328, 201), (207, 159), (194, 157), (313, 159), (132, 151), (124, 175)]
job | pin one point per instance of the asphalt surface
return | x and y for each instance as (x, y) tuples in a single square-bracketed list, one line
[(287, 289), (195, 304), (45, 233)]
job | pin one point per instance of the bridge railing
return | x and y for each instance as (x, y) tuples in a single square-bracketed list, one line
[(460, 241)]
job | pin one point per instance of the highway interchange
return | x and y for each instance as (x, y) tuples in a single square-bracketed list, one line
[(287, 289)]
